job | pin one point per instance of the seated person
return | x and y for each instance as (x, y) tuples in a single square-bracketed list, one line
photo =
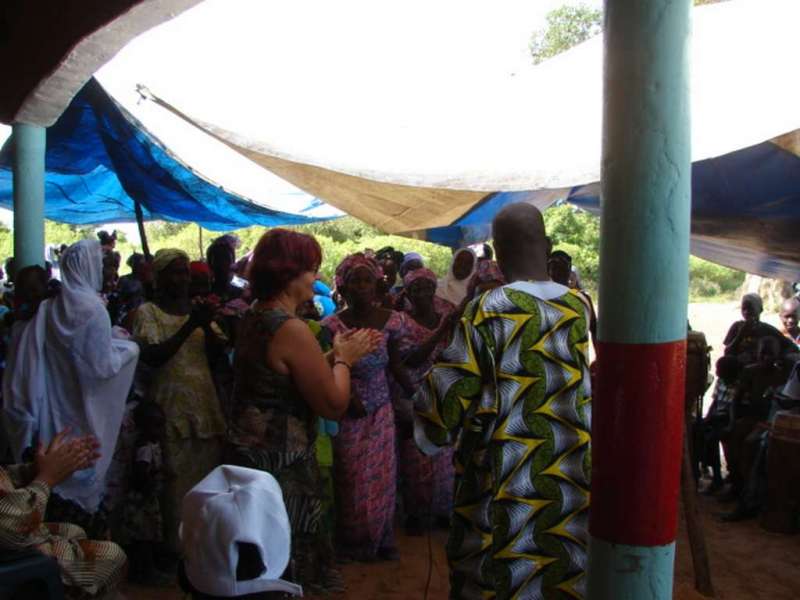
[(751, 405), (790, 311), (742, 338), (240, 514), (718, 418), (88, 568)]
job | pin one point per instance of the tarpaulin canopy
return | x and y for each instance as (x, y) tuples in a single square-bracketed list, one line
[(442, 173), (99, 158), (438, 161)]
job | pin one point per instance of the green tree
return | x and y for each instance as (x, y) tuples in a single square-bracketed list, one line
[(570, 25), (577, 233), (566, 27)]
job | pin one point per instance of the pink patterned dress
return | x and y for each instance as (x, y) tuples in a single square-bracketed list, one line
[(426, 482), (365, 460)]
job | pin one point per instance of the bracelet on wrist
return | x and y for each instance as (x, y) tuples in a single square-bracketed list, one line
[(342, 362)]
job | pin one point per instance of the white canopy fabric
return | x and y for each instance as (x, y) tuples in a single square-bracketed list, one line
[(224, 64)]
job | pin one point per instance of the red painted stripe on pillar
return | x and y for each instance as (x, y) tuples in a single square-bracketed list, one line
[(637, 435)]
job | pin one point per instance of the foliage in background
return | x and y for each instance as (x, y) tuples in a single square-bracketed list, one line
[(337, 238), (578, 233), (708, 280), (575, 231), (566, 27)]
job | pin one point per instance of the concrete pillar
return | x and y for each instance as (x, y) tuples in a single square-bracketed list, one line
[(644, 255), (29, 148)]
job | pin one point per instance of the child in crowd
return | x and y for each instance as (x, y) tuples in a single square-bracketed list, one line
[(718, 418), (142, 523), (790, 311)]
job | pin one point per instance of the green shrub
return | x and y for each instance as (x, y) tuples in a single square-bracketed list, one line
[(707, 280)]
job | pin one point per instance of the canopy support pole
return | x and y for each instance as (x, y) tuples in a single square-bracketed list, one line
[(644, 256), (137, 207), (28, 179)]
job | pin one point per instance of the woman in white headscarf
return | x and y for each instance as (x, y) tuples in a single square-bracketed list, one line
[(67, 370), (453, 286)]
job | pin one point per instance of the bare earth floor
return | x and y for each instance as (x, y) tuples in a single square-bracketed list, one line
[(747, 563)]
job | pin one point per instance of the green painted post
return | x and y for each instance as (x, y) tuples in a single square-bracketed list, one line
[(644, 256), (29, 148)]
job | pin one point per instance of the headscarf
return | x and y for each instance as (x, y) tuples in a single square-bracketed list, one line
[(422, 273), (452, 289), (164, 257), (408, 258), (486, 272), (82, 281), (65, 369), (356, 261), (198, 268)]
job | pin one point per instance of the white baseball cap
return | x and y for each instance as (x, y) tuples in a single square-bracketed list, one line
[(234, 505)]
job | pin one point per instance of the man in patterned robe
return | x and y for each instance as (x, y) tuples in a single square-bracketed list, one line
[(512, 392)]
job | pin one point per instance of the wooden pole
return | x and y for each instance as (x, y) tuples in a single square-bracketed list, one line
[(694, 525), (142, 232), (200, 240)]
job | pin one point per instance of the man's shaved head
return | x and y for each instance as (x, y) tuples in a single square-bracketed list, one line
[(520, 242)]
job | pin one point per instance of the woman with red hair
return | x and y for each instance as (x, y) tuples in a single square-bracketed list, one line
[(365, 458), (282, 383)]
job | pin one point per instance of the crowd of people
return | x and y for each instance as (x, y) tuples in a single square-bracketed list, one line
[(460, 402), (757, 385)]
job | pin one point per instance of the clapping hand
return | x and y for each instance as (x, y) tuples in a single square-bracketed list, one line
[(203, 312), (63, 457), (353, 345)]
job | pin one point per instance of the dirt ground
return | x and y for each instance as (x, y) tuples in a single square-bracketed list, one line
[(747, 563)]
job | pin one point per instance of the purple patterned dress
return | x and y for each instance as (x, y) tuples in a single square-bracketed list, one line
[(426, 481), (365, 459)]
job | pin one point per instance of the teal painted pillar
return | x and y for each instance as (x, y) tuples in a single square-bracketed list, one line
[(638, 404), (29, 147)]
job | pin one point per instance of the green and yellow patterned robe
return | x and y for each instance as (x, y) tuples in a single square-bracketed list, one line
[(512, 393)]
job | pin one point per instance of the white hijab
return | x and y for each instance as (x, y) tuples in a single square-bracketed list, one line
[(452, 289), (66, 370)]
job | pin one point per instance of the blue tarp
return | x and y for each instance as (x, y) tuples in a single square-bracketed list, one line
[(99, 158), (745, 207), (745, 211)]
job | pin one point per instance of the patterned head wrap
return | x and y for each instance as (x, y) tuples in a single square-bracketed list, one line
[(164, 257), (487, 271), (422, 273), (356, 261)]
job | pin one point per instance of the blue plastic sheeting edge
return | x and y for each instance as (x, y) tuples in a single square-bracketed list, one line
[(745, 211), (99, 158)]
